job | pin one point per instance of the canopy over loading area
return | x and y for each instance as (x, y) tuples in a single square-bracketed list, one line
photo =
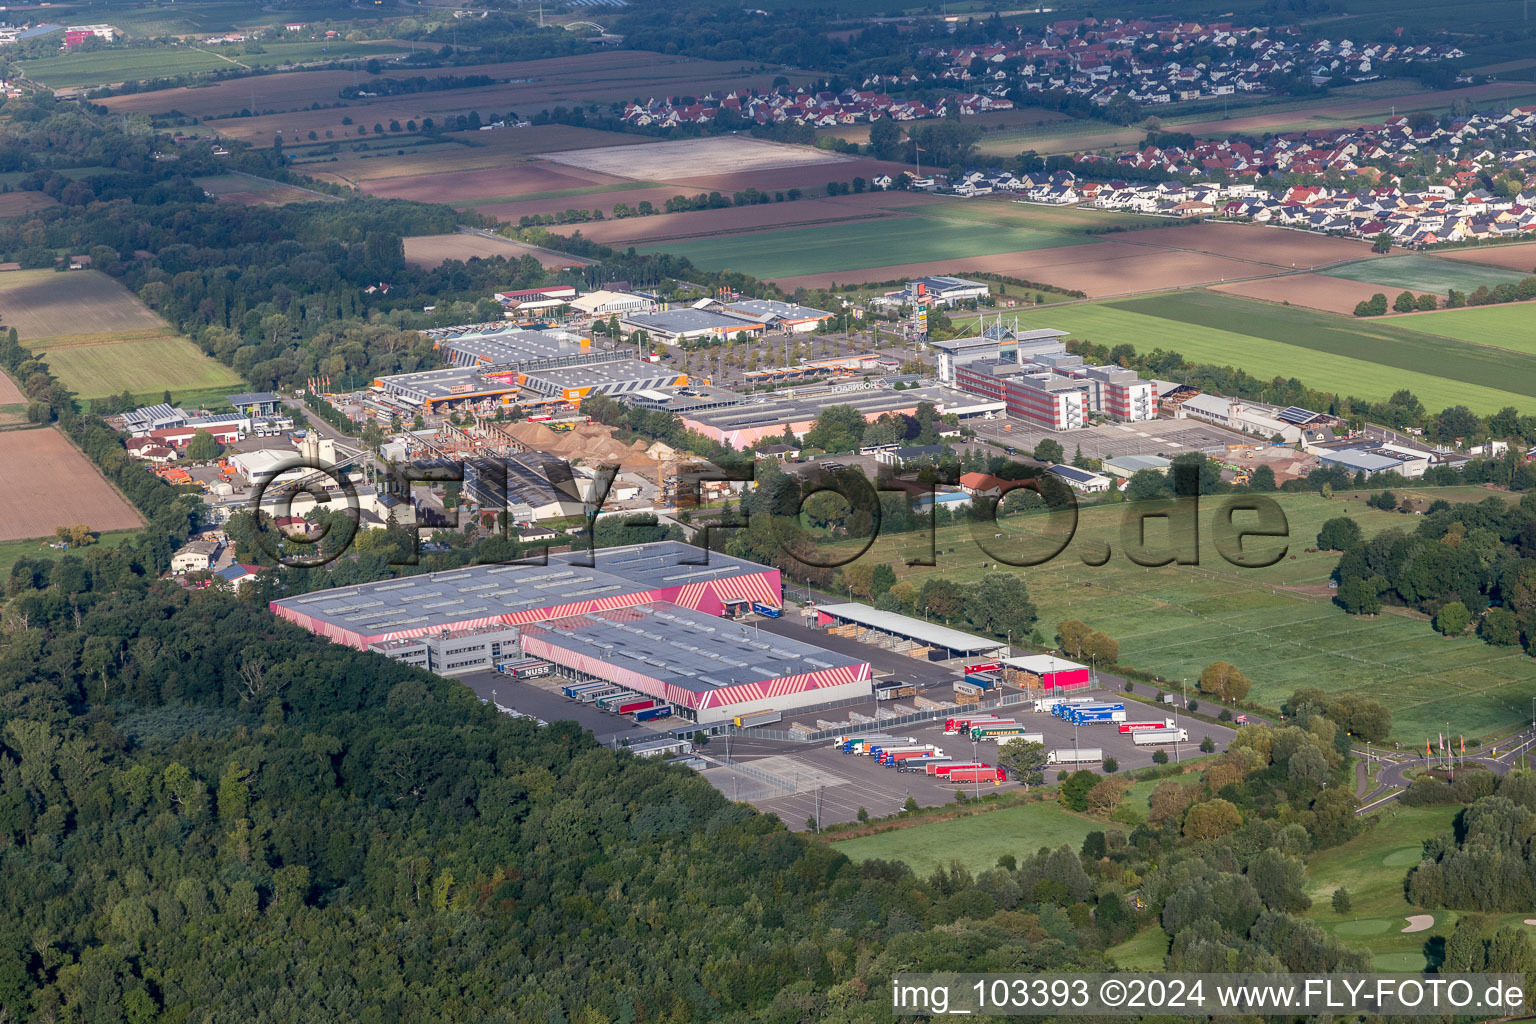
[(1053, 673), (903, 632)]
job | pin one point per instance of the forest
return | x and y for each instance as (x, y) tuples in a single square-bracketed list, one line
[(1467, 566)]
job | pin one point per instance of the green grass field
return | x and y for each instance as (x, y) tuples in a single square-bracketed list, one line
[(143, 367), (855, 246), (1332, 353), (1277, 624), (1143, 951), (975, 841), (208, 16), (1424, 274), (12, 551), (1371, 866), (1511, 326)]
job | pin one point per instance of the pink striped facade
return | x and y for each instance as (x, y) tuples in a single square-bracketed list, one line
[(710, 596), (619, 675)]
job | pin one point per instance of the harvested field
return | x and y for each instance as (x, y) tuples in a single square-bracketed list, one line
[(601, 78), (13, 404), (490, 184), (427, 251), (1315, 291), (15, 204), (605, 74), (1274, 247), (1097, 268), (695, 158), (511, 211), (709, 223), (464, 151), (47, 303), (813, 176), (50, 484), (1521, 257)]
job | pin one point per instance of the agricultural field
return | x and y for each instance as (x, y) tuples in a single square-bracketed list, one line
[(830, 249), (1520, 256), (1511, 326), (1371, 103), (1369, 359), (49, 484), (13, 404), (1277, 624), (700, 158), (19, 204), (1122, 262), (48, 303), (250, 190), (976, 841), (99, 338), (428, 251), (1424, 274), (110, 66), (1314, 291), (603, 77), (140, 366), (212, 16)]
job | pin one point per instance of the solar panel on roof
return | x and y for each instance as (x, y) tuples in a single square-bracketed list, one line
[(1295, 414)]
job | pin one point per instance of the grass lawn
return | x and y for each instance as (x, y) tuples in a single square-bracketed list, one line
[(1367, 360), (1372, 867), (855, 246), (1277, 624), (1511, 326), (977, 840), (12, 551), (140, 366), (1424, 274), (1143, 951)]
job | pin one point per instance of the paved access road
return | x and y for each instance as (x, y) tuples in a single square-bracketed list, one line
[(1392, 780)]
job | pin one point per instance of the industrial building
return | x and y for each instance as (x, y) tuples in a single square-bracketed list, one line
[(781, 316), (513, 595), (906, 633), (1045, 399), (709, 669), (679, 325), (432, 391), (513, 348), (743, 425)]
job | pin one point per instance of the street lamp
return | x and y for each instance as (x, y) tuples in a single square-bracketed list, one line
[(975, 775)]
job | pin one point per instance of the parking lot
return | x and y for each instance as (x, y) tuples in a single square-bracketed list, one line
[(838, 785), (1107, 441), (799, 781)]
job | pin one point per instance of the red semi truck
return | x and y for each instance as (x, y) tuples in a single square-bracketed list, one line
[(942, 770)]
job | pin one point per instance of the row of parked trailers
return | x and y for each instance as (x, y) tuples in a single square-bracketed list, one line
[(618, 700), (908, 755)]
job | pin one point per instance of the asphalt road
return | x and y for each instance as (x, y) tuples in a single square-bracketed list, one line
[(1392, 780)]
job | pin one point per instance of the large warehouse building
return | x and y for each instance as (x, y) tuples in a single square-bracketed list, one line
[(707, 668), (643, 617), (488, 595)]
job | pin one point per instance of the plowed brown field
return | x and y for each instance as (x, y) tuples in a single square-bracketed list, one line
[(50, 484)]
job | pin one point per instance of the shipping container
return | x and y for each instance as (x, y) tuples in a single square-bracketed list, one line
[(767, 611), (1051, 703), (1155, 737), (981, 679), (1085, 755), (896, 757), (942, 769), (652, 714), (752, 718), (593, 696), (986, 773)]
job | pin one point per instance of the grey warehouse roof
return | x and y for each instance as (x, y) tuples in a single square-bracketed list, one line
[(445, 599), (684, 321), (689, 649)]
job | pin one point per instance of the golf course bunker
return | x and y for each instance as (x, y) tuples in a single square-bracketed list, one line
[(1531, 921), (1419, 923)]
